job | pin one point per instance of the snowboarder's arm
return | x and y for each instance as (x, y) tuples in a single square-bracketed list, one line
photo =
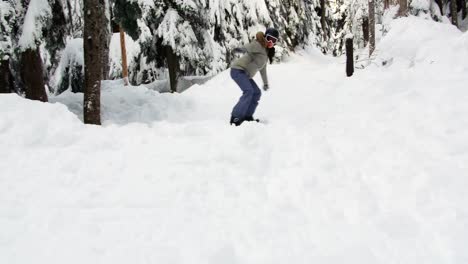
[(241, 50), (263, 72)]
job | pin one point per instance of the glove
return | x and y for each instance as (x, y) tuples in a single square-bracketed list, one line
[(265, 87)]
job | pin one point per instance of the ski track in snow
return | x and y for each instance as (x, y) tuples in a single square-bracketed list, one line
[(368, 169)]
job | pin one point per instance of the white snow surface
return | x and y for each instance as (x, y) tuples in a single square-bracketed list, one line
[(369, 169)]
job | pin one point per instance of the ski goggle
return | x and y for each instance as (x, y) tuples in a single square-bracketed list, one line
[(271, 39)]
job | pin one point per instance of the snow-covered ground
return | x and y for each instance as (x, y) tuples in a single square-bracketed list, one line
[(369, 169)]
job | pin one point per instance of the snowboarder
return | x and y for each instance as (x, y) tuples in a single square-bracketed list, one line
[(244, 69)]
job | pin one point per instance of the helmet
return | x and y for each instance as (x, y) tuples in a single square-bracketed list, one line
[(271, 37), (272, 32)]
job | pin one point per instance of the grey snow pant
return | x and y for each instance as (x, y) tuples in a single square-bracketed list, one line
[(251, 94)]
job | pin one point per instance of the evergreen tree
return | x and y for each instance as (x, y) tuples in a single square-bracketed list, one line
[(7, 19), (371, 27), (35, 19), (54, 38)]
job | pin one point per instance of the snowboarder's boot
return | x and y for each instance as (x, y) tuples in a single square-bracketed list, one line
[(236, 121), (251, 119)]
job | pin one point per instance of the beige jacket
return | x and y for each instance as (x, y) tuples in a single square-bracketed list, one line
[(255, 59)]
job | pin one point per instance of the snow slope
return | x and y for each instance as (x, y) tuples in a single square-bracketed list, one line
[(368, 169)]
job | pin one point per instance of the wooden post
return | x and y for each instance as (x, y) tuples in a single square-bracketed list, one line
[(124, 56), (349, 56)]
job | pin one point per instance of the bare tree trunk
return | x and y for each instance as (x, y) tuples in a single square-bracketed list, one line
[(70, 17), (173, 65), (453, 12), (105, 42), (386, 4), (124, 57), (403, 11), (349, 57), (365, 29), (32, 74), (6, 79), (322, 16), (371, 27), (464, 9), (93, 31)]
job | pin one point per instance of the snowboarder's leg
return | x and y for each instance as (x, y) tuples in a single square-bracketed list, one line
[(241, 108), (254, 103)]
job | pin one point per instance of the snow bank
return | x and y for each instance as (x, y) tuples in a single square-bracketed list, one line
[(413, 41)]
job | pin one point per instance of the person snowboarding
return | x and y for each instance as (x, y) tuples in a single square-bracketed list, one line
[(243, 69)]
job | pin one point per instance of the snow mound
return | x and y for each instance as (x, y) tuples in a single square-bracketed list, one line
[(413, 40)]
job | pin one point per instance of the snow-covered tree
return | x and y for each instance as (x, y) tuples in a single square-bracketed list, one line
[(70, 72), (36, 18), (371, 27), (202, 33), (54, 37), (428, 8), (7, 20)]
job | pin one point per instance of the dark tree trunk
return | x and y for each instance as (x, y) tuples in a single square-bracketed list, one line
[(453, 12), (6, 78), (371, 27), (32, 74), (441, 6), (322, 16), (349, 57), (365, 29), (464, 8), (173, 66), (70, 17), (386, 4), (105, 45), (93, 31)]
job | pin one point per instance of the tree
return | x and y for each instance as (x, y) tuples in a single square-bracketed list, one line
[(105, 40), (454, 12), (403, 10), (55, 32), (371, 27), (32, 74), (37, 16), (323, 9), (92, 43), (7, 14), (464, 8)]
